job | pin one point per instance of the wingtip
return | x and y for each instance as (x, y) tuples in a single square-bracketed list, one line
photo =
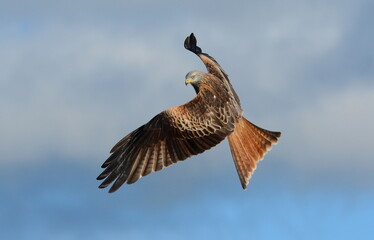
[(191, 44), (100, 177), (113, 189)]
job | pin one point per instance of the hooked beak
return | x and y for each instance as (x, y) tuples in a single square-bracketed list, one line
[(188, 80)]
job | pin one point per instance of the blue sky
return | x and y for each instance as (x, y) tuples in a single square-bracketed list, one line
[(76, 76)]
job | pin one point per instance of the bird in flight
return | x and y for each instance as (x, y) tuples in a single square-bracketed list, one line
[(181, 132)]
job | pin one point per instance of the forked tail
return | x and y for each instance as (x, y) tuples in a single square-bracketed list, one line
[(249, 144)]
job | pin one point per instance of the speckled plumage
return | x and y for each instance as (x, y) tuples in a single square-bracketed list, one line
[(181, 132)]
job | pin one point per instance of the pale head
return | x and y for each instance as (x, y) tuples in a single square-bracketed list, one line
[(194, 77)]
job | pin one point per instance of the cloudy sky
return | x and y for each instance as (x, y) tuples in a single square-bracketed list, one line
[(76, 76)]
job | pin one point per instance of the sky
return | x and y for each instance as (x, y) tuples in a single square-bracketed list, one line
[(77, 76)]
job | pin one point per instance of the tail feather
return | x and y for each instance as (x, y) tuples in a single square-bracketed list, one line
[(249, 144)]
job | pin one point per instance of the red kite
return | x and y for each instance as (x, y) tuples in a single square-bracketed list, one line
[(181, 132)]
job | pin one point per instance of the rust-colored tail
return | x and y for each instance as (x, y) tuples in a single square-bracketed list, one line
[(249, 144)]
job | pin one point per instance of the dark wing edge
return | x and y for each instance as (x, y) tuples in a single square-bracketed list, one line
[(163, 141), (191, 44), (210, 63)]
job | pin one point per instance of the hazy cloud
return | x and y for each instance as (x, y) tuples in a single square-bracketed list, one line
[(76, 76), (73, 89)]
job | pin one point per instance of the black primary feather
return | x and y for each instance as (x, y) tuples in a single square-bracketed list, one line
[(190, 44)]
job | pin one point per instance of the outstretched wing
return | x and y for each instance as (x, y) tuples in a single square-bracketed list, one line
[(171, 136), (210, 63)]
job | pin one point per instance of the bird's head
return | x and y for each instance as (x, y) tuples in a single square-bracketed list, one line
[(195, 78)]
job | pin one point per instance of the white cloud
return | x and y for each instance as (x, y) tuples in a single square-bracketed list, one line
[(334, 132), (68, 90), (68, 86)]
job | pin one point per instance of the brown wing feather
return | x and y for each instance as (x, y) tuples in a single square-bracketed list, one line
[(171, 136), (211, 65)]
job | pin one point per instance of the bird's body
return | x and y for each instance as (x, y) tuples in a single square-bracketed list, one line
[(180, 132)]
